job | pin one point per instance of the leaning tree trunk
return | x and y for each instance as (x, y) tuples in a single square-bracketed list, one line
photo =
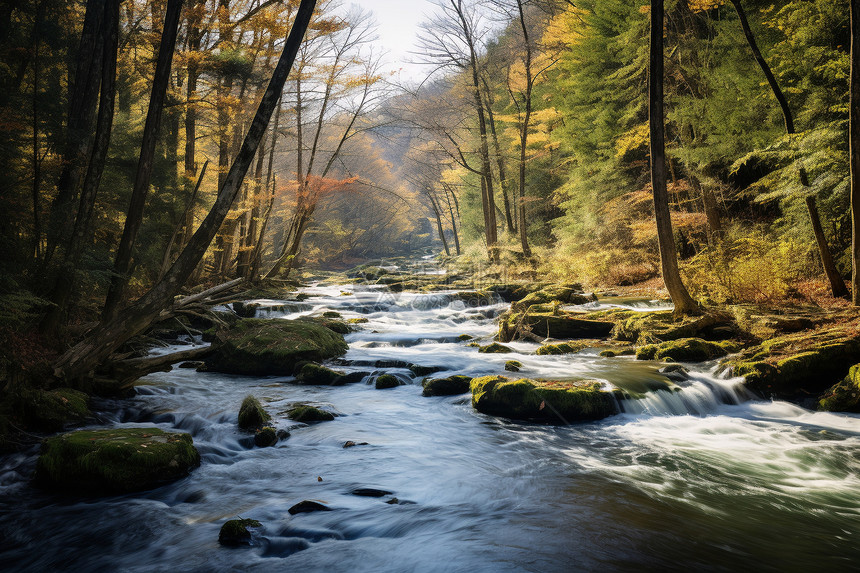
[(854, 145), (134, 219), (837, 285), (684, 303), (83, 358)]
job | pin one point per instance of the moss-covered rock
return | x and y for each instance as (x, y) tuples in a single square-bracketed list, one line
[(495, 348), (552, 401), (265, 437), (331, 314), (360, 320), (236, 532), (50, 410), (464, 338), (387, 381), (561, 348), (653, 327), (252, 416), (272, 346), (513, 365), (798, 364), (561, 294), (115, 461), (553, 324), (419, 370), (682, 350), (450, 386), (315, 374), (307, 413), (844, 396)]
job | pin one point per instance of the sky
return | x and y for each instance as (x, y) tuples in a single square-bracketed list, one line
[(398, 30)]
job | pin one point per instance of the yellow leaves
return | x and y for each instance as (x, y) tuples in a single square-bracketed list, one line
[(704, 5), (631, 140), (565, 28)]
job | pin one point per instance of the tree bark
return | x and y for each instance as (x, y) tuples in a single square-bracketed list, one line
[(88, 354), (438, 214), (524, 135), (837, 285), (854, 146), (500, 159), (684, 303), (195, 38), (134, 219)]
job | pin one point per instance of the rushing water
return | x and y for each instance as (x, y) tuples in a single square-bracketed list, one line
[(701, 479)]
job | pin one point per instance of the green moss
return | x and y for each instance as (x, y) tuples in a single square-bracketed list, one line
[(315, 374), (115, 461), (251, 414), (272, 346), (450, 386), (50, 410), (360, 320), (560, 294), (682, 350), (495, 348), (551, 324), (464, 338), (331, 314), (387, 381), (308, 413), (235, 532), (553, 401), (844, 396), (473, 345), (513, 365), (561, 348), (265, 437)]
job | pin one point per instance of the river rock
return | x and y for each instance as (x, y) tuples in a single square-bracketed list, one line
[(561, 294), (682, 350), (252, 416), (495, 348), (387, 381), (115, 461), (549, 401), (450, 386), (351, 444), (314, 374), (513, 365), (238, 532), (50, 410), (265, 437), (370, 492), (419, 370), (308, 506), (264, 347), (561, 348), (307, 413), (844, 396), (550, 324)]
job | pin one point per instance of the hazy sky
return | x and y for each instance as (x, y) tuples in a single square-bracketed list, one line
[(398, 28)]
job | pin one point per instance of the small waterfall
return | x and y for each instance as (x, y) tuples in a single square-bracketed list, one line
[(698, 395)]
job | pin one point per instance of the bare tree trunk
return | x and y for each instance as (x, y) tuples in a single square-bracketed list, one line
[(87, 355), (437, 213), (195, 38), (837, 285), (82, 231), (83, 98), (524, 135), (189, 207), (854, 144), (500, 159), (684, 303), (125, 251), (453, 219)]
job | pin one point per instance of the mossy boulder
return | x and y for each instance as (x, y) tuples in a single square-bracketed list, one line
[(331, 314), (561, 294), (265, 437), (252, 416), (495, 348), (114, 461), (561, 348), (682, 350), (315, 374), (450, 386), (513, 365), (549, 401), (798, 364), (262, 347), (50, 410), (654, 327), (464, 338), (844, 396), (553, 324), (307, 413), (236, 532), (387, 381)]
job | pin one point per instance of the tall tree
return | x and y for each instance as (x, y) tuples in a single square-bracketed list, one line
[(92, 351), (125, 251), (684, 303), (854, 146), (837, 285)]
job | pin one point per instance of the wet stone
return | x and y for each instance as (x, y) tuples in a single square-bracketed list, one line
[(308, 506)]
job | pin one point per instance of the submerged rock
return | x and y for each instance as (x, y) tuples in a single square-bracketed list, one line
[(272, 346), (265, 438), (513, 365), (450, 386), (238, 532), (308, 506), (351, 444), (419, 370), (682, 350), (315, 374), (370, 492), (115, 461), (308, 413), (551, 401), (251, 414)]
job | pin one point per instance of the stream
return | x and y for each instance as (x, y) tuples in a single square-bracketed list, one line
[(705, 479)]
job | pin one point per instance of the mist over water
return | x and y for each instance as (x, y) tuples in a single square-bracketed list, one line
[(697, 476)]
